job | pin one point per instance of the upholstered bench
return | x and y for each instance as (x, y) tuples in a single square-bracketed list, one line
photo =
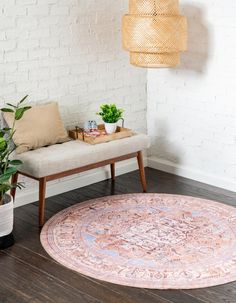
[(61, 160)]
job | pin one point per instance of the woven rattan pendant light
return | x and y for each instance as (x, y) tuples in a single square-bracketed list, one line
[(154, 33)]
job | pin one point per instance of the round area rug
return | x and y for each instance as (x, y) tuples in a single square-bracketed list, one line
[(146, 240)]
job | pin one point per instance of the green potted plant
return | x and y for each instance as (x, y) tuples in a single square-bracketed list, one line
[(8, 168), (110, 115)]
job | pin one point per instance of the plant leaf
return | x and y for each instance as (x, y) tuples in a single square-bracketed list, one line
[(11, 170), (7, 175), (5, 178), (26, 108), (22, 100), (7, 110), (3, 144), (15, 162), (110, 113), (20, 112), (9, 104), (4, 187)]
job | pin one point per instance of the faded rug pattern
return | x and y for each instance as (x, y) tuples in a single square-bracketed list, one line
[(155, 241)]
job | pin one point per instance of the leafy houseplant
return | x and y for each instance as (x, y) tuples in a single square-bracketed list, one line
[(110, 115), (8, 168)]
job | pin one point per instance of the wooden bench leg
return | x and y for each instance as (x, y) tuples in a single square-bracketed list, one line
[(113, 173), (14, 181), (42, 192), (142, 171)]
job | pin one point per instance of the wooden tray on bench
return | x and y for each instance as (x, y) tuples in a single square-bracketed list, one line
[(120, 133)]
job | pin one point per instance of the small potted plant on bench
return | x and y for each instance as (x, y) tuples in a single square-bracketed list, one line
[(8, 168), (110, 115)]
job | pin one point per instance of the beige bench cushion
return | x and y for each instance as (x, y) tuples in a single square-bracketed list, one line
[(57, 158)]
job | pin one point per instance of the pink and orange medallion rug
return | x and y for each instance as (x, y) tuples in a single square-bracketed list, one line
[(146, 240)]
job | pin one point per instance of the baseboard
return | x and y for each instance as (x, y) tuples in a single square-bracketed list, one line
[(76, 181), (197, 175)]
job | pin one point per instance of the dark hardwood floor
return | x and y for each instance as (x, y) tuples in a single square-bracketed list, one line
[(28, 274)]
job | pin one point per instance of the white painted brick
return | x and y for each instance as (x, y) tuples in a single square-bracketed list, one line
[(38, 54), (48, 84), (97, 85), (39, 74), (65, 40), (2, 35), (26, 86), (114, 84), (8, 68), (104, 57), (68, 80), (7, 2), (59, 93), (16, 56), (16, 34), (17, 76), (70, 3), (39, 94), (28, 44), (7, 45), (59, 52), (14, 10), (7, 89), (6, 22), (59, 10), (47, 2), (49, 42), (25, 2), (28, 65), (51, 62), (39, 33), (38, 10), (60, 71), (78, 89), (1, 63), (59, 30), (48, 21), (27, 22), (78, 69)]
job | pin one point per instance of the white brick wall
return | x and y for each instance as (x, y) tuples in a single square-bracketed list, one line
[(192, 109), (69, 51)]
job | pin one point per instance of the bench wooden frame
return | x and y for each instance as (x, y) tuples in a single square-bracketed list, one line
[(43, 180)]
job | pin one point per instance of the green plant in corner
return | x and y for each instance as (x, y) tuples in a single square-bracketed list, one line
[(8, 167), (110, 113)]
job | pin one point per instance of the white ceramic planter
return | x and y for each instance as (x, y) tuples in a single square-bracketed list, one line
[(110, 128), (6, 217)]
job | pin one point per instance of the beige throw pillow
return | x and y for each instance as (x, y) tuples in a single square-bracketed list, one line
[(40, 126)]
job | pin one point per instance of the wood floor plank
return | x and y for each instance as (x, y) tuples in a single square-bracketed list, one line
[(176, 296), (220, 294), (48, 266), (28, 282), (139, 295)]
